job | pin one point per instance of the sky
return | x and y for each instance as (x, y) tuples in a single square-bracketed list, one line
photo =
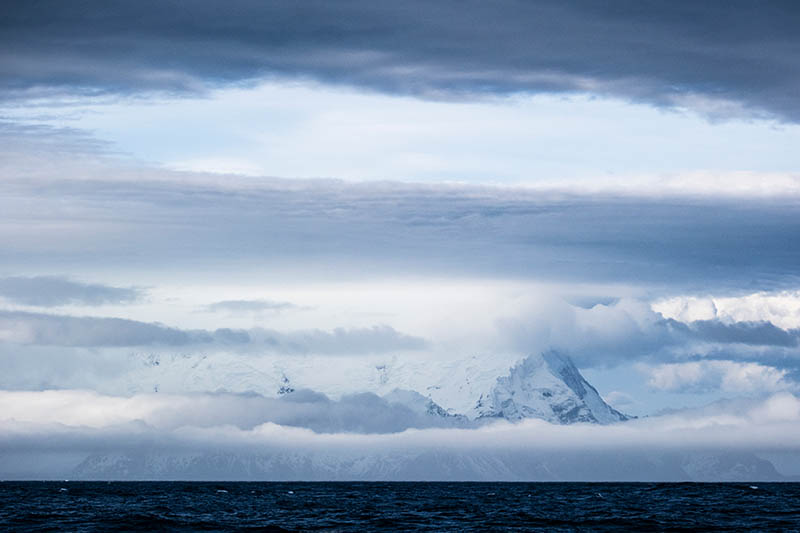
[(238, 193)]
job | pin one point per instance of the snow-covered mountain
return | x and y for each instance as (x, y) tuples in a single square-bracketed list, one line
[(546, 386), (381, 398), (429, 465), (421, 405)]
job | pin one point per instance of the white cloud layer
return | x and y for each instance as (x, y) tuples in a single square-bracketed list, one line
[(727, 376), (84, 424), (30, 412), (781, 308)]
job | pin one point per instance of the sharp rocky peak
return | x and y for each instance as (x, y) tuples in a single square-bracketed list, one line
[(546, 386)]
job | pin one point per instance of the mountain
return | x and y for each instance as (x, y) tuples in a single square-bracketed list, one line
[(421, 405), (482, 387), (428, 465), (546, 386)]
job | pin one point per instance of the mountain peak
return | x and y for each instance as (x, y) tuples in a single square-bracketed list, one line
[(546, 386)]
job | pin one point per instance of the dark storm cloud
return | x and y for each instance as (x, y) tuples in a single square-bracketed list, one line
[(61, 330), (49, 291), (743, 52)]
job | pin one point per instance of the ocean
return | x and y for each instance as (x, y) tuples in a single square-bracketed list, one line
[(344, 506)]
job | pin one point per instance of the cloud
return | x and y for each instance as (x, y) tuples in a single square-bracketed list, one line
[(604, 336), (629, 329), (754, 333), (781, 308), (343, 341), (249, 306), (42, 329), (61, 330), (330, 229), (721, 60), (249, 412), (362, 413), (727, 376), (619, 400), (51, 291), (63, 209), (101, 433)]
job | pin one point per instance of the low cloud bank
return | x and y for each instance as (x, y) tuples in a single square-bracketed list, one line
[(362, 413), (105, 432), (252, 419)]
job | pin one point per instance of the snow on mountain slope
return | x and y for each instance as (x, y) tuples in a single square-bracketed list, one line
[(546, 386), (549, 387), (420, 404)]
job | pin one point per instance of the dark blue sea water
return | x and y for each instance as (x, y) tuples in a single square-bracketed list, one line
[(226, 506)]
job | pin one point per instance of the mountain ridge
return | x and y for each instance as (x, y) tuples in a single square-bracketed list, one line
[(545, 385)]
